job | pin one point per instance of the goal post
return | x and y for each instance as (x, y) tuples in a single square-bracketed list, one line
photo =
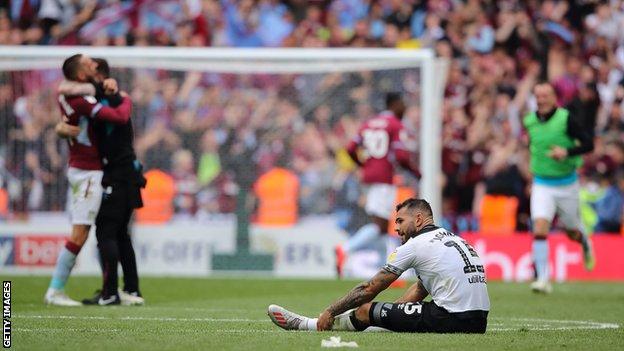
[(431, 73)]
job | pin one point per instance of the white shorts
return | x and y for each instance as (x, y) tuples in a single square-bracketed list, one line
[(380, 199), (85, 195), (548, 200)]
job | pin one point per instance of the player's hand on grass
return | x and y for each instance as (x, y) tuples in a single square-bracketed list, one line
[(558, 153), (325, 321)]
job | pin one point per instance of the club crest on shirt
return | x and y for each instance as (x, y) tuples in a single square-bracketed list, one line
[(392, 257)]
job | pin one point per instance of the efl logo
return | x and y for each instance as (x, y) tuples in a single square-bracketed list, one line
[(38, 250), (6, 314)]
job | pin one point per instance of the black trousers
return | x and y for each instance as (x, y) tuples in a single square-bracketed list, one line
[(425, 317), (113, 236)]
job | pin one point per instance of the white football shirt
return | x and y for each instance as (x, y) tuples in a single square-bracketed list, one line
[(448, 267)]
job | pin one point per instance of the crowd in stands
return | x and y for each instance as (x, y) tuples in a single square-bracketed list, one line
[(215, 133)]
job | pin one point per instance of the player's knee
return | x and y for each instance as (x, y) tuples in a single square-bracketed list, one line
[(541, 228), (362, 313), (79, 235)]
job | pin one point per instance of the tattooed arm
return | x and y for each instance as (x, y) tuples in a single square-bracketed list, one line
[(361, 294)]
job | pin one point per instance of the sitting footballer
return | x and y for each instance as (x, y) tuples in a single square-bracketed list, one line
[(448, 269)]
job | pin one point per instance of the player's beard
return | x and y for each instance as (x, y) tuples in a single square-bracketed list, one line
[(408, 233)]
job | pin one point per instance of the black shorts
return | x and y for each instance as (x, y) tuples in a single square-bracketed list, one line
[(426, 317)]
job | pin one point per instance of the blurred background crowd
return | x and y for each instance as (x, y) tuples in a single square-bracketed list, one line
[(214, 133)]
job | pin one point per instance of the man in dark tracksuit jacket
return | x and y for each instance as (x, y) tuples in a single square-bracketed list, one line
[(122, 183)]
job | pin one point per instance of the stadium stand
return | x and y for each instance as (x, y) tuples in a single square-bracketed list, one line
[(493, 47)]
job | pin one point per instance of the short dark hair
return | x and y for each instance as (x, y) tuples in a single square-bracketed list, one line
[(71, 65), (416, 204), (391, 98), (545, 82), (102, 67)]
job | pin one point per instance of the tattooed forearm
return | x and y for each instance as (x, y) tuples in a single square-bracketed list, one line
[(356, 297), (363, 293)]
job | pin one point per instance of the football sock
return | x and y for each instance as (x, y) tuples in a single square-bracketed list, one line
[(540, 258), (364, 237), (64, 265), (343, 321), (308, 324)]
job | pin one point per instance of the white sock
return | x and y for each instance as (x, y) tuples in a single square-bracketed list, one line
[(540, 258), (343, 321), (308, 324)]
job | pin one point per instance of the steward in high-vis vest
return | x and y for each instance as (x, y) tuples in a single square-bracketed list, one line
[(556, 142)]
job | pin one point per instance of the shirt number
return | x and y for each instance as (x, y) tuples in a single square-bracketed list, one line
[(469, 267), (376, 142), (410, 308)]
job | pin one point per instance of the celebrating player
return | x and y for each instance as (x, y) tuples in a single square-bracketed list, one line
[(85, 169), (381, 140), (122, 181), (556, 141), (448, 268)]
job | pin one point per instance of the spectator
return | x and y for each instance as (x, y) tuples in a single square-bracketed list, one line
[(183, 173), (275, 23), (480, 35), (241, 23), (610, 207), (432, 31), (348, 12), (61, 19)]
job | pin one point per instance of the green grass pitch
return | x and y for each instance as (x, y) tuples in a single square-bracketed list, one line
[(230, 314)]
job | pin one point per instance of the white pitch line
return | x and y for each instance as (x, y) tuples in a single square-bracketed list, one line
[(564, 321), (531, 324), (75, 330), (241, 331), (149, 307), (157, 319), (192, 309), (540, 328)]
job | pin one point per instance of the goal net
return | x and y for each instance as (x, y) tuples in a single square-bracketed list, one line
[(215, 119)]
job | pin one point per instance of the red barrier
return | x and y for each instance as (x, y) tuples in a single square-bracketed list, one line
[(509, 258)]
